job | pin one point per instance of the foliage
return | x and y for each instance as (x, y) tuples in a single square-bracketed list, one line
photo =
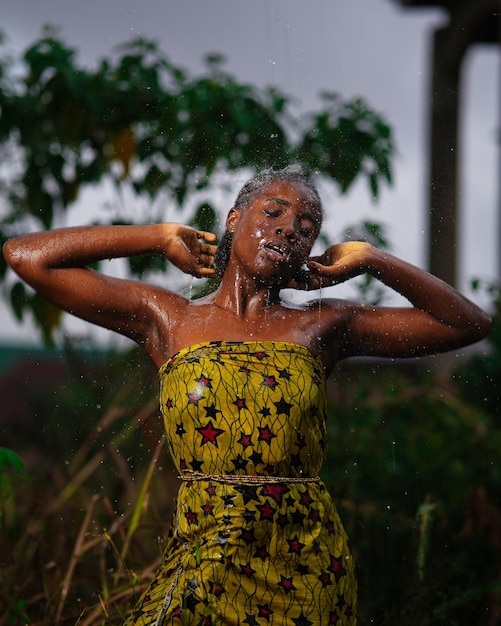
[(11, 468), (481, 383), (417, 471), (84, 521), (150, 128), (369, 289)]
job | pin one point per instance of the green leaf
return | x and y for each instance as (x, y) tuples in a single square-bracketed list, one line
[(47, 317), (10, 460), (18, 300), (205, 217)]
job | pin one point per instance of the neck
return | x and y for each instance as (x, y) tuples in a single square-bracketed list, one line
[(243, 294)]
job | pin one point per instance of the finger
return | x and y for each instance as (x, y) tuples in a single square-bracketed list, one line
[(331, 271), (205, 234), (210, 249), (206, 259), (316, 267), (313, 259), (204, 272)]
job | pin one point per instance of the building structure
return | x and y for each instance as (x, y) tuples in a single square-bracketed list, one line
[(470, 22)]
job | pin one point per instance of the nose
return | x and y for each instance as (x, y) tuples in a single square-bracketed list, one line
[(287, 229)]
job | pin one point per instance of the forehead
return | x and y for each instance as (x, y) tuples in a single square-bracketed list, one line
[(292, 193)]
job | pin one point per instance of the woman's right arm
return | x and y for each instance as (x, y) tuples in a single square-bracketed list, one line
[(55, 264)]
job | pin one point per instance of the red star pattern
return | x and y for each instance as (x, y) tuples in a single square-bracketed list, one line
[(265, 510), (247, 570), (264, 611), (240, 403), (306, 499), (265, 434), (217, 589), (269, 381), (287, 584), (262, 553), (203, 381), (295, 546), (245, 440), (275, 491), (210, 433), (260, 355), (336, 567), (191, 517), (208, 508)]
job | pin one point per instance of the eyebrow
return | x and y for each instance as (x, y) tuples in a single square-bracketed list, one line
[(314, 219), (287, 203), (279, 201)]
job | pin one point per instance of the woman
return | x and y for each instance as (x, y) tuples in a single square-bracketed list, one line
[(256, 538)]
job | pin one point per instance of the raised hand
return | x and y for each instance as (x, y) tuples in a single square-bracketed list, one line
[(337, 264), (190, 249)]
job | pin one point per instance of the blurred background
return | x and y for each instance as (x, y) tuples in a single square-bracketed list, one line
[(115, 113)]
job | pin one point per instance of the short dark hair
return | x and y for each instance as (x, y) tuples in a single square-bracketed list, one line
[(258, 183), (251, 190)]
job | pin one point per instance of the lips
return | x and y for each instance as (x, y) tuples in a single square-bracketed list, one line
[(279, 252)]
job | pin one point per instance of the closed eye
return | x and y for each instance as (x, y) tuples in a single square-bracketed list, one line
[(272, 212)]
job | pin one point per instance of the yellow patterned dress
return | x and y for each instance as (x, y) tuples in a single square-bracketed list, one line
[(255, 539)]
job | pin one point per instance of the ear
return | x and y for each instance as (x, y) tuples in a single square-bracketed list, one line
[(232, 219)]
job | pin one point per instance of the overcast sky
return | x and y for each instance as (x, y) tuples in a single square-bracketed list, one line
[(369, 48)]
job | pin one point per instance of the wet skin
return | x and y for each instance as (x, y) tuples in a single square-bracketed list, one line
[(272, 239)]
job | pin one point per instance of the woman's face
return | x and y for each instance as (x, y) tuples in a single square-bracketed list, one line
[(273, 235)]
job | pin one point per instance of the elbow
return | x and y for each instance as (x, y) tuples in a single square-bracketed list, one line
[(485, 325), (17, 256), (13, 254), (479, 328)]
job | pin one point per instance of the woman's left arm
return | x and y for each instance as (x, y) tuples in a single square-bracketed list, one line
[(441, 319)]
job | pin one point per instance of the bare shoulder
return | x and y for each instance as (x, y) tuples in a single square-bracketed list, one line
[(322, 325), (164, 311), (329, 310)]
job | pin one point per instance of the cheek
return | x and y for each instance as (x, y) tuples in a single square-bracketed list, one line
[(304, 247), (259, 236)]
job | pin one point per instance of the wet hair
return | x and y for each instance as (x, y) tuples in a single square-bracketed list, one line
[(249, 192), (222, 255), (257, 184)]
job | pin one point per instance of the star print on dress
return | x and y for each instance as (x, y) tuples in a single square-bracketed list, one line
[(269, 381), (265, 434), (283, 407), (210, 434), (211, 411), (270, 553), (240, 403), (245, 440), (180, 430)]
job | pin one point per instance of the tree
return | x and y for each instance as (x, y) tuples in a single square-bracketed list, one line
[(146, 125)]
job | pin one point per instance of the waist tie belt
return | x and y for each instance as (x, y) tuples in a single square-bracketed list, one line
[(248, 479)]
